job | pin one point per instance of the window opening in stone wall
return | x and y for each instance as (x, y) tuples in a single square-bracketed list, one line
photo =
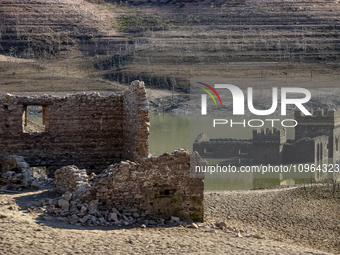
[(34, 119), (337, 143)]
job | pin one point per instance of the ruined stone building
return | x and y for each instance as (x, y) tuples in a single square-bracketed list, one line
[(156, 187), (87, 130), (108, 136), (316, 139)]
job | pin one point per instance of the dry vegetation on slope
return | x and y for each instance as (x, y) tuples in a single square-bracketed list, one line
[(58, 40), (177, 40), (165, 43)]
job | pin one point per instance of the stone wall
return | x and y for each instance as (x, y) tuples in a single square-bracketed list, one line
[(70, 178), (137, 122), (222, 147), (299, 151), (86, 130), (156, 187), (268, 145)]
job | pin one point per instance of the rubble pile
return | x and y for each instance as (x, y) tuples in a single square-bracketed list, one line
[(88, 214), (158, 190), (16, 174), (15, 171)]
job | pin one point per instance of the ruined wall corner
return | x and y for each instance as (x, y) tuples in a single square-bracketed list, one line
[(136, 122)]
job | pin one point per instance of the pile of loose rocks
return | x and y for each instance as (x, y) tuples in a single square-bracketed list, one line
[(87, 214), (15, 170), (16, 175), (154, 191)]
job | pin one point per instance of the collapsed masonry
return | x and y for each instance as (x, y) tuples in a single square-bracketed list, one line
[(15, 171), (93, 132), (157, 187)]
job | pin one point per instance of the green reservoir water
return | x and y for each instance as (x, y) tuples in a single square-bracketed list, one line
[(169, 132)]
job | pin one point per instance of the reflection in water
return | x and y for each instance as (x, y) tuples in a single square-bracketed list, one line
[(169, 132)]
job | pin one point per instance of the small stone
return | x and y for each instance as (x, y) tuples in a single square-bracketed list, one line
[(211, 231), (84, 219), (50, 201), (74, 219), (63, 204), (152, 222), (56, 210), (113, 216), (67, 196), (221, 225), (239, 235), (176, 219), (83, 209), (102, 220), (194, 225), (35, 184)]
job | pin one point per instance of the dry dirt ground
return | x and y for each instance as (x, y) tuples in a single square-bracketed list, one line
[(304, 224)]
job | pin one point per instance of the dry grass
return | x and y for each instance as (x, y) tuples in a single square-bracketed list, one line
[(179, 41), (165, 43)]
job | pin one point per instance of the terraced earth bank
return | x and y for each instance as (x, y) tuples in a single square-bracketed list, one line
[(179, 40), (96, 44)]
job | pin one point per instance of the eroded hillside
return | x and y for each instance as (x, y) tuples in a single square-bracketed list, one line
[(45, 28), (165, 43)]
